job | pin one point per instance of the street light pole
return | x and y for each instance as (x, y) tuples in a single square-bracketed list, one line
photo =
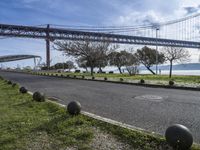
[(47, 47), (157, 50)]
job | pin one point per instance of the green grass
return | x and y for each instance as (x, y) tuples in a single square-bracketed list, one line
[(26, 124), (176, 78)]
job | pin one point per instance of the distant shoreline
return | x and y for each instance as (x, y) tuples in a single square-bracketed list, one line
[(175, 72)]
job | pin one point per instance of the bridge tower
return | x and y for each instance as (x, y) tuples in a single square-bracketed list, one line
[(47, 47)]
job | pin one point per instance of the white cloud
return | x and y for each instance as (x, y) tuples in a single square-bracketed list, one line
[(151, 10), (136, 18)]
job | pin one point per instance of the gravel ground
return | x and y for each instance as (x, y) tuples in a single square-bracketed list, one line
[(101, 141), (105, 141)]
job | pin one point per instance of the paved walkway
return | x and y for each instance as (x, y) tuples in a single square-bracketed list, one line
[(153, 109)]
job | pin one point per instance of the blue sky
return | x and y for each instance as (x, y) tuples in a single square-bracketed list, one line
[(84, 12)]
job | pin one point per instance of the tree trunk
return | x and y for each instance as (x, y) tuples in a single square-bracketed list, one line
[(151, 70), (92, 68), (100, 70), (129, 72), (120, 69), (170, 70), (86, 69)]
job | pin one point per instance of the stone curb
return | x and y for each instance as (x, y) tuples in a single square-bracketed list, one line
[(127, 83), (103, 119)]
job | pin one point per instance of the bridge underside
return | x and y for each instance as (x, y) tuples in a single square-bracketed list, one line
[(67, 34), (9, 58), (51, 34)]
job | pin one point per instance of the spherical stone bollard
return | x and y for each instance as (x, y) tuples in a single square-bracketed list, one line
[(142, 81), (39, 97), (23, 90), (171, 83), (179, 137), (9, 82), (74, 108)]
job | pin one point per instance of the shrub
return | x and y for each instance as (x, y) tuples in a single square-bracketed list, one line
[(39, 97), (67, 76), (23, 90), (93, 78), (1, 78), (9, 82), (142, 81), (171, 83), (105, 78), (14, 84), (77, 71), (83, 77), (103, 72), (74, 76), (110, 72), (61, 75), (121, 79)]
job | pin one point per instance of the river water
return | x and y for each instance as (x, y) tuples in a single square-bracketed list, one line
[(175, 72)]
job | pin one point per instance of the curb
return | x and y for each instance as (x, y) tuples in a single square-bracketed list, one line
[(103, 119), (119, 82), (107, 120)]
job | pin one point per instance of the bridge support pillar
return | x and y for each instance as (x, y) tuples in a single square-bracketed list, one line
[(47, 48)]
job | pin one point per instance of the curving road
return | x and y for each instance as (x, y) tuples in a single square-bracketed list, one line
[(153, 109)]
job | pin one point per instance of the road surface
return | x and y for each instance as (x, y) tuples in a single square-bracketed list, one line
[(153, 109)]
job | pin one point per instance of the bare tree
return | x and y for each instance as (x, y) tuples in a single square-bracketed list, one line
[(82, 63), (131, 62), (70, 65), (117, 59), (92, 52), (175, 54)]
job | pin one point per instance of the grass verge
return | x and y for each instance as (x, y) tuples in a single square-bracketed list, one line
[(176, 78), (26, 124)]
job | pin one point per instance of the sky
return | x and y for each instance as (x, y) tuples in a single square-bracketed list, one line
[(87, 13)]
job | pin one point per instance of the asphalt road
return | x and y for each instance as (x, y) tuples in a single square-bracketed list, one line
[(153, 109)]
